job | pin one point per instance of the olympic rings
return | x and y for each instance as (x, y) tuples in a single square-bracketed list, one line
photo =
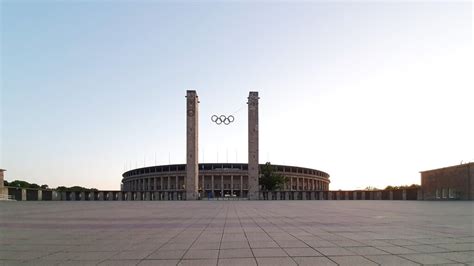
[(222, 119)]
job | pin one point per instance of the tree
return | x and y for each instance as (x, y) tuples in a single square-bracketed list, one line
[(19, 184), (269, 179), (371, 188), (44, 186), (402, 187), (74, 188)]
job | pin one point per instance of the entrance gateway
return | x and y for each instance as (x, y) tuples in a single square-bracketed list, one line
[(192, 145)]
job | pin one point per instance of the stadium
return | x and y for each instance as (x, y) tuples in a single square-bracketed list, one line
[(218, 180)]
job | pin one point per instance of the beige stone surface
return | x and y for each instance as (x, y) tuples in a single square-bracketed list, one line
[(236, 233)]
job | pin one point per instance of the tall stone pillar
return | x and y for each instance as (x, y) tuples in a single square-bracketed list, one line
[(192, 167), (253, 187), (1, 180), (3, 189)]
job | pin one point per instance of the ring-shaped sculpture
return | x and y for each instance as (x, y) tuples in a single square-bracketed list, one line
[(222, 119)]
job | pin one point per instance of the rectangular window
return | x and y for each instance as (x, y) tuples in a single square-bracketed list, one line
[(452, 193), (445, 193)]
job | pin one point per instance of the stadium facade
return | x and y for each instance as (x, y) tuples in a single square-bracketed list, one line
[(217, 180)]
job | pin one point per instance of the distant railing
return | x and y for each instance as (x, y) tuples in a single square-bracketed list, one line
[(225, 198)]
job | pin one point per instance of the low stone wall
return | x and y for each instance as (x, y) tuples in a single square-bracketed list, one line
[(114, 195), (397, 194)]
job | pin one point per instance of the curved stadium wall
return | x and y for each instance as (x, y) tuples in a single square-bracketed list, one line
[(216, 180)]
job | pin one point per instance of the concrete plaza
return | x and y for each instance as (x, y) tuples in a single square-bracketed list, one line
[(237, 233)]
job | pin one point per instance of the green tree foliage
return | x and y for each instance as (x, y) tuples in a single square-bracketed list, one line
[(21, 184), (371, 188), (74, 188), (24, 184), (402, 187), (269, 179)]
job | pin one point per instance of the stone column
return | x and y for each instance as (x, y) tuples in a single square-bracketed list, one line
[(203, 187), (192, 167), (390, 194), (241, 186), (176, 183), (222, 186), (83, 195), (1, 180), (129, 196), (23, 194), (212, 187), (55, 195), (231, 185), (119, 195), (404, 194), (40, 194), (419, 194), (253, 151)]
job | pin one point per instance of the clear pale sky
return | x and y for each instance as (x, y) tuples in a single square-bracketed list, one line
[(371, 93)]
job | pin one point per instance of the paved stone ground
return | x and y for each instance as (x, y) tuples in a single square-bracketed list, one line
[(237, 233)]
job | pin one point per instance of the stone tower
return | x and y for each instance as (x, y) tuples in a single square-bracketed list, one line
[(192, 167), (253, 145), (1, 180)]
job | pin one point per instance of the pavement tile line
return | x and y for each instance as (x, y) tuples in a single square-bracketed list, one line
[(246, 236), (401, 246), (141, 229), (217, 212), (302, 241)]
